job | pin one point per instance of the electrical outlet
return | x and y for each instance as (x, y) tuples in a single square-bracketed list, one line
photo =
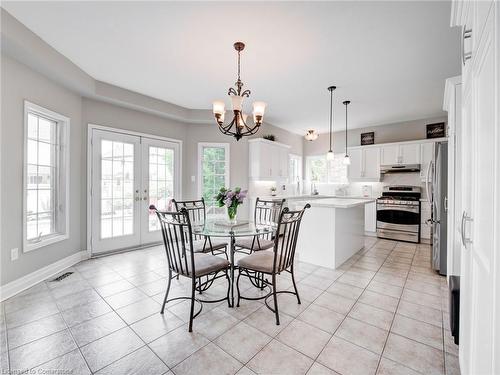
[(14, 254), (193, 179)]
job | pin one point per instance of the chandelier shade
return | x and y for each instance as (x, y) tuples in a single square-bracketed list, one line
[(238, 127), (311, 135)]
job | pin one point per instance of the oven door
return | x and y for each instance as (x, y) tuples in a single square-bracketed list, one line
[(398, 217)]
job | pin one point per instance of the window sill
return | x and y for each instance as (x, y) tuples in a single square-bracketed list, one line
[(30, 246)]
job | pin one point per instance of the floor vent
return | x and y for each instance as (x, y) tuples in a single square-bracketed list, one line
[(63, 276)]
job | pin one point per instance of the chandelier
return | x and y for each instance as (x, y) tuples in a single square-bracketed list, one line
[(238, 127)]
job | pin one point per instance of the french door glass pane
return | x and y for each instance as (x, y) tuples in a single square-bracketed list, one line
[(160, 182), (117, 181)]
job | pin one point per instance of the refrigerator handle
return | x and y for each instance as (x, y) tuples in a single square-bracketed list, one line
[(427, 182)]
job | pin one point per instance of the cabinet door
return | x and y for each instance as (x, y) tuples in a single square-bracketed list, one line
[(273, 160), (356, 167), (266, 166), (371, 163), (283, 164), (426, 150), (409, 154), (371, 217), (389, 155)]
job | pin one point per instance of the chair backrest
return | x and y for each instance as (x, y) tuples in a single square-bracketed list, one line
[(196, 210), (267, 212), (178, 240), (284, 244)]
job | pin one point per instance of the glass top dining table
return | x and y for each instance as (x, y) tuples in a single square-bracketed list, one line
[(219, 227)]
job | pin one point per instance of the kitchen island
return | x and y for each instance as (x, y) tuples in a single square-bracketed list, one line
[(332, 230)]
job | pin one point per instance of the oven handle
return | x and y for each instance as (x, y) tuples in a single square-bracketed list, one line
[(387, 207)]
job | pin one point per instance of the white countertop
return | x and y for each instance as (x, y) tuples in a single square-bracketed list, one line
[(340, 202), (308, 197)]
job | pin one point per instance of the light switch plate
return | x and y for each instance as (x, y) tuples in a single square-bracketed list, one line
[(193, 178), (14, 254)]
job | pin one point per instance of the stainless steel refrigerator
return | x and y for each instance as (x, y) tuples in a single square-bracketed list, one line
[(437, 191)]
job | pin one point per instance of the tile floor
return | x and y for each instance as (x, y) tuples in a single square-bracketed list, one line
[(383, 312)]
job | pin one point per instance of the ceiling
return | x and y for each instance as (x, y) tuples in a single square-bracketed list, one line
[(389, 58)]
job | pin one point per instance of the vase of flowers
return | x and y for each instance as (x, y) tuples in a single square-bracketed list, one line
[(231, 199)]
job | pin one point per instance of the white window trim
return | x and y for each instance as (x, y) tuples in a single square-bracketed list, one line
[(64, 124), (200, 161)]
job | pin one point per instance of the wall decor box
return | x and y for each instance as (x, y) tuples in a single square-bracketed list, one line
[(367, 138), (436, 130)]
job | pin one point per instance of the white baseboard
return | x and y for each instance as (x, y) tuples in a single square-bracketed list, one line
[(25, 282)]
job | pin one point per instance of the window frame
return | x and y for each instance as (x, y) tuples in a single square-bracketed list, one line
[(299, 159), (226, 147), (61, 202)]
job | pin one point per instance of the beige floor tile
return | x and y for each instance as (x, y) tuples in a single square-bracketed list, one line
[(418, 331), (305, 338), (277, 358), (319, 369), (264, 320), (421, 298), (242, 341), (156, 325), (372, 315), (452, 364), (322, 318), (379, 300), (420, 312), (362, 334), (388, 367), (334, 302), (383, 288), (347, 358), (345, 290), (209, 360), (419, 357), (177, 345), (214, 323)]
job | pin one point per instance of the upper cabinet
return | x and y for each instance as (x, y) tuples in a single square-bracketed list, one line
[(268, 161), (365, 164), (400, 154)]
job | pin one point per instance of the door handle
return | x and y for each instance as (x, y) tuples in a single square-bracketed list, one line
[(427, 182), (446, 204)]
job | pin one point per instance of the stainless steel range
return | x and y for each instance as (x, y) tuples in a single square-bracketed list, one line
[(398, 213)]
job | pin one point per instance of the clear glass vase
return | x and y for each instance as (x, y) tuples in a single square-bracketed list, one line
[(232, 213)]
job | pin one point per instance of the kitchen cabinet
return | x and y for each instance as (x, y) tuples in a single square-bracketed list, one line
[(365, 164), (400, 154), (371, 218), (268, 161)]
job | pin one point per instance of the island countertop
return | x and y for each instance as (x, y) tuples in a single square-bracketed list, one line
[(338, 202)]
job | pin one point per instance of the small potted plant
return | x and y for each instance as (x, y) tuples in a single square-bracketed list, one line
[(231, 199), (273, 191)]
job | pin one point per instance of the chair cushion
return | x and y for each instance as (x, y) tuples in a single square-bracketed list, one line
[(206, 263), (247, 242), (262, 261), (200, 246)]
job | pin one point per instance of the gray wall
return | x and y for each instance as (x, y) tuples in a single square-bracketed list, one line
[(20, 83), (398, 132)]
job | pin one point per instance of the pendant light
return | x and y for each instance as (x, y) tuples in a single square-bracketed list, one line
[(347, 159), (329, 154)]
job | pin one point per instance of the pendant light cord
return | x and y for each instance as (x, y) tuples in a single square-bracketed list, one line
[(331, 117), (346, 129)]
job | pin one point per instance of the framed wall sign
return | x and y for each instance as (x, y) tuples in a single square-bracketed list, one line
[(367, 138), (437, 130)]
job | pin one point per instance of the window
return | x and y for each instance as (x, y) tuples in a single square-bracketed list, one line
[(295, 169), (213, 170), (320, 170), (46, 177)]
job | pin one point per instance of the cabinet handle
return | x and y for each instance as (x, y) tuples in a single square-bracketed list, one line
[(465, 218), (466, 34)]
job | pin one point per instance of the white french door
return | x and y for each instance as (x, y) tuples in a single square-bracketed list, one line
[(129, 173)]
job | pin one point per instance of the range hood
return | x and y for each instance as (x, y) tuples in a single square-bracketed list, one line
[(400, 168)]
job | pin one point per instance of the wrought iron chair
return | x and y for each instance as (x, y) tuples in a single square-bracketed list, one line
[(197, 214), (272, 263), (184, 261), (266, 212)]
